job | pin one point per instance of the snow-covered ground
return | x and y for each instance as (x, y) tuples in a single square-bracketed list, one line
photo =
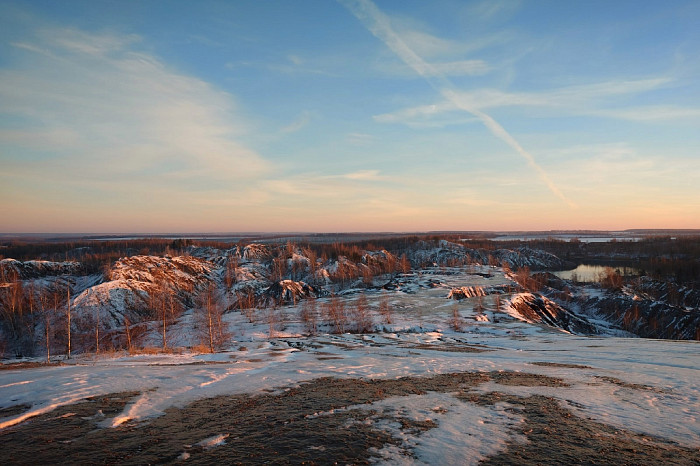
[(646, 386)]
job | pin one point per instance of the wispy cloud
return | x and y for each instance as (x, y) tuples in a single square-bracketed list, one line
[(487, 10), (107, 103), (462, 68), (651, 113), (300, 122), (295, 59), (364, 175), (447, 68), (587, 100), (31, 48), (379, 25), (360, 139), (289, 65)]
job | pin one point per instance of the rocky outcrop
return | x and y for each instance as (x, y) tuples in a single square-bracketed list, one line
[(466, 292), (256, 252), (11, 269), (288, 291), (535, 308), (646, 318), (535, 259)]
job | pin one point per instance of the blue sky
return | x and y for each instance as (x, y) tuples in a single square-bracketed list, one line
[(179, 116)]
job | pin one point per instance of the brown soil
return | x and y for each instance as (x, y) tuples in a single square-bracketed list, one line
[(15, 410), (557, 436), (524, 379), (450, 348), (27, 365), (557, 364), (633, 386), (285, 427)]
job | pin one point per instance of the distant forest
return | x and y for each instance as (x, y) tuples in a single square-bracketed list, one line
[(660, 257)]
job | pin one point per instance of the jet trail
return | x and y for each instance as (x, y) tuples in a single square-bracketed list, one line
[(378, 24)]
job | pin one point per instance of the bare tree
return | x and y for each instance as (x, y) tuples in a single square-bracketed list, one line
[(127, 332), (46, 311), (165, 307), (279, 268), (246, 303), (97, 330), (209, 319), (14, 320), (367, 275), (404, 264), (313, 264), (68, 320), (230, 274)]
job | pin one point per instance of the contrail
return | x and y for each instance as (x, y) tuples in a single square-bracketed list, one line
[(378, 24)]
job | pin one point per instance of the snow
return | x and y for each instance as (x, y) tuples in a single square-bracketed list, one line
[(212, 442), (464, 432)]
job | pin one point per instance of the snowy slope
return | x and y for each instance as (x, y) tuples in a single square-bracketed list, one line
[(646, 386)]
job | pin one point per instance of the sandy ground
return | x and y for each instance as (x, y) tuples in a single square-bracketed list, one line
[(321, 422)]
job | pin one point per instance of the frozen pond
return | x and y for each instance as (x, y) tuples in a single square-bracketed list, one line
[(591, 273)]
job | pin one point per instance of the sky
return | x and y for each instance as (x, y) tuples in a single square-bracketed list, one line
[(351, 115)]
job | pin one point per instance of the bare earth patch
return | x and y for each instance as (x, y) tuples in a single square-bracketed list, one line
[(15, 410), (450, 348), (557, 364), (27, 365), (556, 436), (310, 423), (632, 386)]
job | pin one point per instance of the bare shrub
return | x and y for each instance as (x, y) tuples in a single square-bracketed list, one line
[(246, 303), (525, 280), (361, 315), (610, 278), (631, 318), (385, 310), (456, 321), (335, 314), (309, 316), (479, 305), (273, 321)]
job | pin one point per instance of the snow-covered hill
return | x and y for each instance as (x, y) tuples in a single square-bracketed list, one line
[(449, 253), (143, 290)]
